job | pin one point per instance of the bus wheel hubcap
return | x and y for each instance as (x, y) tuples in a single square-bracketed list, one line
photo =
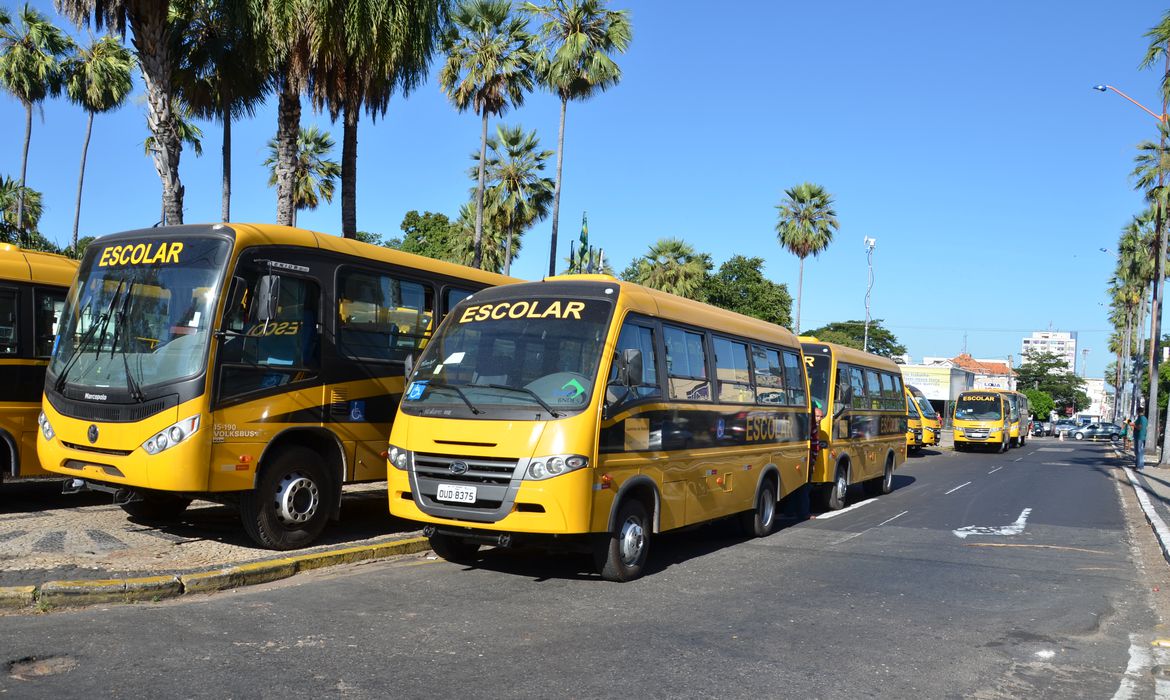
[(767, 507), (297, 499), (632, 541), (842, 484)]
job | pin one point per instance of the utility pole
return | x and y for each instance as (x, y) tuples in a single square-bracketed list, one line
[(869, 246)]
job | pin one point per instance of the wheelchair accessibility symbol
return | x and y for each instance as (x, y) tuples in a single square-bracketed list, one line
[(357, 410)]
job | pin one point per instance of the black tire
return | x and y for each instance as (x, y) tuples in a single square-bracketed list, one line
[(454, 549), (761, 520), (960, 447), (291, 504), (883, 484), (1005, 445), (1023, 440), (621, 555), (157, 506), (833, 495), (1113, 437)]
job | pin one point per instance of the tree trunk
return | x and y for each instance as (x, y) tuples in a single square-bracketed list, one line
[(349, 171), (226, 214), (81, 180), (556, 212), (477, 258), (799, 294), (508, 252), (1159, 282), (288, 126), (149, 24), (23, 170)]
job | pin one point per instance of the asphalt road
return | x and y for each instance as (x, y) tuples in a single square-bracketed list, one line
[(981, 575)]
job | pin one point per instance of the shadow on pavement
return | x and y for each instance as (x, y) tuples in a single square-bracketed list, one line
[(30, 495)]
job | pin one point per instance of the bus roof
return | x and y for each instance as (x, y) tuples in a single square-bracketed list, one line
[(248, 235), (854, 356), (19, 265)]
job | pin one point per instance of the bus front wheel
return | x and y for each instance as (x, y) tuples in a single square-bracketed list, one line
[(157, 506), (759, 521), (834, 494), (453, 549), (621, 555), (290, 505)]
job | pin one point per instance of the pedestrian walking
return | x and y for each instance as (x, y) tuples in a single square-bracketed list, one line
[(1125, 434), (1139, 440)]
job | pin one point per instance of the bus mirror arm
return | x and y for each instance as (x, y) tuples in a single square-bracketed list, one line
[(408, 366)]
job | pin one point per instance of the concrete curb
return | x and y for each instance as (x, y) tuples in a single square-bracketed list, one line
[(1161, 531), (153, 588)]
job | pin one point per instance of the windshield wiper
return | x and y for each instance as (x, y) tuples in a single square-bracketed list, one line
[(102, 320), (551, 411), (131, 383), (458, 392)]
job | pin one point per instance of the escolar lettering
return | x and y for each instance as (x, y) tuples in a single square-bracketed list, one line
[(523, 309), (141, 254)]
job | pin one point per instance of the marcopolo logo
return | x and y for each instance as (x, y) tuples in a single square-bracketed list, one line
[(95, 397)]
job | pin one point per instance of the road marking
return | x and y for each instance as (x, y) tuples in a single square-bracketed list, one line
[(1139, 660), (892, 519), (843, 540), (1055, 449), (994, 470), (1019, 459), (1035, 546), (956, 488), (835, 513), (1058, 464), (1003, 530)]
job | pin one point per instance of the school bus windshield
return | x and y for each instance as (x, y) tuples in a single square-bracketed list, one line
[(499, 360), (818, 377), (925, 407), (978, 408)]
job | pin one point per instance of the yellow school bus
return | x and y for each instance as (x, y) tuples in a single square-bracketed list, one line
[(982, 419), (32, 293), (253, 365), (931, 420), (1019, 416), (914, 424), (863, 428), (596, 413)]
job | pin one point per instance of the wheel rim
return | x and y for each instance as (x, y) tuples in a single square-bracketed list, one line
[(297, 499), (842, 484), (888, 480), (632, 541), (767, 508)]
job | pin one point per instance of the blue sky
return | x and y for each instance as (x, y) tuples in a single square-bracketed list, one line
[(964, 137)]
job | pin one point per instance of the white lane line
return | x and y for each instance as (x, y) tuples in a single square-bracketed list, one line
[(994, 470), (1019, 459), (957, 488), (892, 519), (843, 540), (1005, 530), (1139, 661), (835, 513)]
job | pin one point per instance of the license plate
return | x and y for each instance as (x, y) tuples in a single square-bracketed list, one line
[(455, 493)]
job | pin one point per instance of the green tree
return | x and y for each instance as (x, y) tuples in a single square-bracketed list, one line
[(77, 250), (429, 234), (1040, 403), (672, 266), (740, 286), (489, 67), (367, 51), (463, 248), (518, 194), (219, 73), (1048, 372), (11, 194), (97, 78), (578, 39), (149, 21), (805, 226), (852, 334), (314, 175), (30, 69)]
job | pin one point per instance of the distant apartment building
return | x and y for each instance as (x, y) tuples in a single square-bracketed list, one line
[(1060, 343)]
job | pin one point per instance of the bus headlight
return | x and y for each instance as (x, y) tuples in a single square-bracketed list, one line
[(398, 457), (46, 429), (169, 437), (541, 468)]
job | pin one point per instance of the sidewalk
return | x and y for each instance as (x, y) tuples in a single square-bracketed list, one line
[(1152, 488)]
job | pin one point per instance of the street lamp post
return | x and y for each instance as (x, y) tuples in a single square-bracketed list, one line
[(1159, 276), (869, 246)]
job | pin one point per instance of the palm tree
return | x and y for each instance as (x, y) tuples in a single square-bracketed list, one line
[(671, 265), (579, 38), (313, 175), (30, 69), (12, 193), (219, 73), (98, 79), (148, 20), (494, 241), (805, 226), (517, 194), (189, 134), (370, 49), (489, 67)]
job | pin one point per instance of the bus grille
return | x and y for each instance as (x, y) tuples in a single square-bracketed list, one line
[(479, 470)]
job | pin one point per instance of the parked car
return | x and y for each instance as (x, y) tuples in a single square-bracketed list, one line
[(1064, 426), (1097, 431), (1040, 428)]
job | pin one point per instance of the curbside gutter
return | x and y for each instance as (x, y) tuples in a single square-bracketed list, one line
[(52, 594)]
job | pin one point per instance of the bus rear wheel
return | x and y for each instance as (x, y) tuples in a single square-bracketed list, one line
[(290, 505), (453, 549), (760, 521), (621, 555), (883, 484), (157, 506), (833, 496)]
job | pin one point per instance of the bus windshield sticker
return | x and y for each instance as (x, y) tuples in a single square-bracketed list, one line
[(415, 392), (141, 254), (537, 308), (454, 358)]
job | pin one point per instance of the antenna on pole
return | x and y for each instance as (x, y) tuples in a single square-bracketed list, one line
[(869, 246)]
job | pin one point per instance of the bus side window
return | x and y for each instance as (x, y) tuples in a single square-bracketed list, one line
[(794, 379), (731, 369), (873, 387), (452, 297), (891, 398), (686, 365), (8, 339), (769, 376), (49, 306), (857, 383), (634, 337), (381, 317)]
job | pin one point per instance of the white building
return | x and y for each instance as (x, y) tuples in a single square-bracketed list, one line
[(1060, 343), (1102, 398), (941, 385)]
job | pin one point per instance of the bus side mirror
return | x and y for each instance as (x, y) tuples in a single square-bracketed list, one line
[(844, 401), (267, 298), (408, 366), (630, 367), (235, 295)]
